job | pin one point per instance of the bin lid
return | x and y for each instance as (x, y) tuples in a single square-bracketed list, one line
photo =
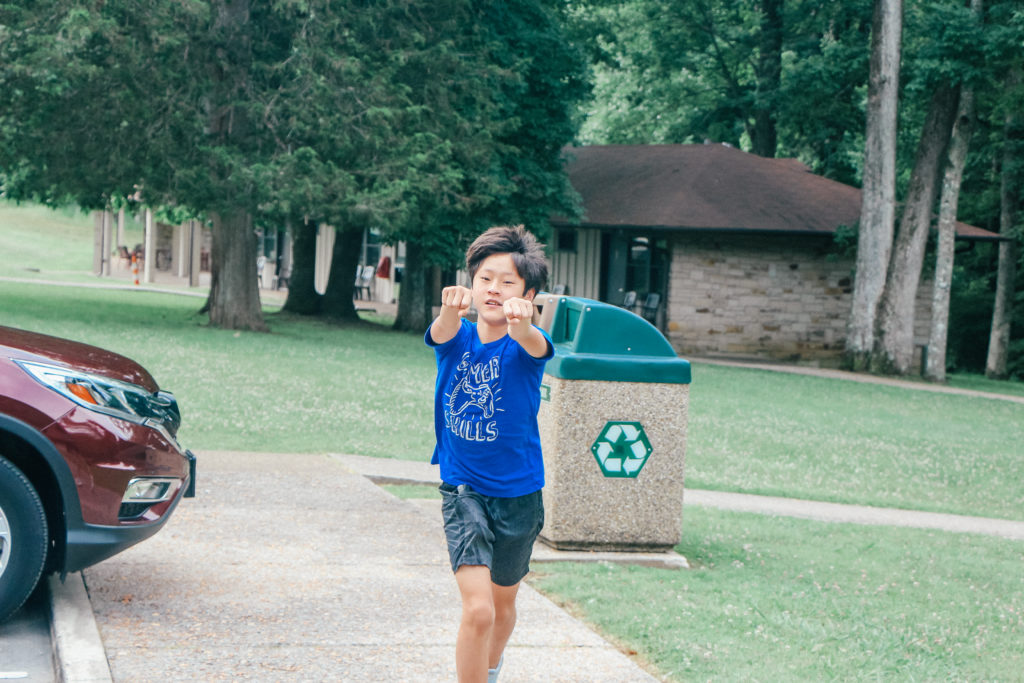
[(598, 341)]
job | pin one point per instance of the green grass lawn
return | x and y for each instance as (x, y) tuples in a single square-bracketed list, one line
[(769, 598), (44, 243), (827, 439), (982, 383), (312, 387), (782, 599), (308, 387)]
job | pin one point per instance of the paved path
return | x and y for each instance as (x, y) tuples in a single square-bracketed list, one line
[(295, 567)]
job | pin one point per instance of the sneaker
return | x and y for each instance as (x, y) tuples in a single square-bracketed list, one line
[(492, 674)]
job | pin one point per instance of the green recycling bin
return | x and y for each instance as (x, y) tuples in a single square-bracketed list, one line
[(612, 420)]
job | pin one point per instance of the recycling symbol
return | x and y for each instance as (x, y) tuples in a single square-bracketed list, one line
[(622, 449)]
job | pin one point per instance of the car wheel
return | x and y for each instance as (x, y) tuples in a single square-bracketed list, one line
[(23, 538)]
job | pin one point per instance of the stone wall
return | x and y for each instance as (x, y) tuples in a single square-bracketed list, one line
[(770, 297)]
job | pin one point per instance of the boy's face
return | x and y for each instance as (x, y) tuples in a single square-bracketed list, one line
[(495, 282)]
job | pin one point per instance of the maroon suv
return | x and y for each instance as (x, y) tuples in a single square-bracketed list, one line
[(89, 462)]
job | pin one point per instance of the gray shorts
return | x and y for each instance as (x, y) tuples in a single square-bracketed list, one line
[(495, 532)]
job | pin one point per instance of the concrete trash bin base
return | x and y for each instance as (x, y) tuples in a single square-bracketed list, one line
[(584, 508), (612, 424)]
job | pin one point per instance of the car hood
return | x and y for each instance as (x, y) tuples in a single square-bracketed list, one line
[(24, 345)]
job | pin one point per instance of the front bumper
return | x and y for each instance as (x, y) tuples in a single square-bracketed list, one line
[(190, 488), (89, 544)]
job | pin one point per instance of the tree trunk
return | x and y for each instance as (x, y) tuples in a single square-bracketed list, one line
[(894, 340), (1010, 199), (234, 301), (878, 196), (337, 301), (302, 295), (415, 302), (769, 79), (935, 362)]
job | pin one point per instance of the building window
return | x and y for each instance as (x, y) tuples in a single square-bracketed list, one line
[(647, 263), (566, 240)]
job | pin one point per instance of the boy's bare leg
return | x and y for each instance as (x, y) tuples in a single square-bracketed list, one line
[(472, 646), (504, 620)]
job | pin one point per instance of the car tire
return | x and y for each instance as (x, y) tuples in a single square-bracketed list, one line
[(23, 538)]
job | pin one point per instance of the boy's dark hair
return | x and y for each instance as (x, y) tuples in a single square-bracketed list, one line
[(527, 253)]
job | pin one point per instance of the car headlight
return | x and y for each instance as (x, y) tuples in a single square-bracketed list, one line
[(109, 396)]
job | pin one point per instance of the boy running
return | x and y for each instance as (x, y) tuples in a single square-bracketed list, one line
[(488, 445)]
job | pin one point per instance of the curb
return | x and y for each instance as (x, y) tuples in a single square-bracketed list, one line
[(78, 653)]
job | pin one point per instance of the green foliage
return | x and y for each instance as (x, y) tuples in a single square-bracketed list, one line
[(683, 72), (821, 115), (947, 43), (504, 164), (416, 116), (84, 110)]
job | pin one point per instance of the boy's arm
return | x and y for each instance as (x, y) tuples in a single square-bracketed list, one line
[(455, 302), (519, 313)]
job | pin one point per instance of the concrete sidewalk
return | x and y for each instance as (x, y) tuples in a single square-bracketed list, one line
[(296, 567)]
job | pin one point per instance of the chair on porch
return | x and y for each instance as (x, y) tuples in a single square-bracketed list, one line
[(261, 263), (364, 276), (124, 256), (649, 310), (629, 300)]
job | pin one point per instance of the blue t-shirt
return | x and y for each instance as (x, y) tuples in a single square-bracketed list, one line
[(485, 413)]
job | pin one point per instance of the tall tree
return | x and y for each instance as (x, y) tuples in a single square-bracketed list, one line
[(764, 136), (1011, 201), (935, 361), (302, 295), (947, 55), (878, 196), (234, 300), (337, 300), (505, 161), (416, 301), (894, 338)]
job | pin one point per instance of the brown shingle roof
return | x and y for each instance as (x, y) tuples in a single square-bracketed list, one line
[(711, 187)]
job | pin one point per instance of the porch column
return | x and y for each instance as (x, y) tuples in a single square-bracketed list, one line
[(150, 247), (195, 245)]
